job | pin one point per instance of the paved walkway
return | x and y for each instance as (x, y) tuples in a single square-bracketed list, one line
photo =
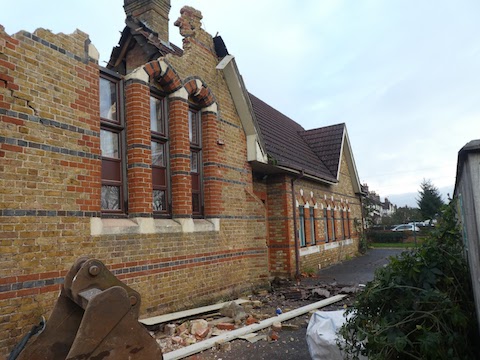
[(359, 270), (293, 345)]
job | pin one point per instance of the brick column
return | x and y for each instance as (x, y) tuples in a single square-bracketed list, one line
[(212, 156), (180, 155), (139, 158)]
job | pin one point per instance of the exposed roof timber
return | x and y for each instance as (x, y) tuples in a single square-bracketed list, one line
[(123, 50)]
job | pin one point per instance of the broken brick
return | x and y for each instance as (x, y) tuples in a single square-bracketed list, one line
[(251, 320), (225, 326)]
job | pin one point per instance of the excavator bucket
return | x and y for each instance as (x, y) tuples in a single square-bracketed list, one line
[(95, 317)]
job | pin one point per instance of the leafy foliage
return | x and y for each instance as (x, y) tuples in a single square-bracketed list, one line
[(362, 243), (430, 202), (402, 215), (386, 236), (420, 306)]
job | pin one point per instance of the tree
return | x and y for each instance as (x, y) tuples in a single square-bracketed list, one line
[(419, 306), (430, 202), (405, 214)]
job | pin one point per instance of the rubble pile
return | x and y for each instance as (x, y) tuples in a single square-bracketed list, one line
[(283, 297)]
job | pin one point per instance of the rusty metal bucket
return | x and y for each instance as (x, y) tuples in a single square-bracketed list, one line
[(95, 317)]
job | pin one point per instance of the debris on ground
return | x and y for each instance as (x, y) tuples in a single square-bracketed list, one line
[(283, 297)]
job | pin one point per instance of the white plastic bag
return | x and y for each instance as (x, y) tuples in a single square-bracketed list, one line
[(322, 335)]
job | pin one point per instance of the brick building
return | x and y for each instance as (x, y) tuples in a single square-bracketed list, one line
[(161, 165)]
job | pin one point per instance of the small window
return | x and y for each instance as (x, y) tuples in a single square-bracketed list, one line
[(158, 115), (332, 212), (325, 224), (348, 225), (301, 230), (109, 100), (312, 225)]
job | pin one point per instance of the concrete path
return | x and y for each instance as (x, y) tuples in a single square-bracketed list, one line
[(359, 270)]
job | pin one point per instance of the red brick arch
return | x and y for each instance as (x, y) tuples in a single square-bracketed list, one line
[(163, 72), (199, 91)]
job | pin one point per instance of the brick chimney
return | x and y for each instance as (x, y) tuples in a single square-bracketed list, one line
[(154, 13)]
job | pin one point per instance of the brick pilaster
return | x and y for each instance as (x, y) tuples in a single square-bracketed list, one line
[(212, 156), (180, 155), (139, 158)]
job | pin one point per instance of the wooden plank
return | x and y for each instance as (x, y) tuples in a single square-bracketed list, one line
[(207, 344), (186, 313)]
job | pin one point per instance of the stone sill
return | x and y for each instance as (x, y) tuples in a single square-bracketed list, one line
[(99, 226), (324, 247)]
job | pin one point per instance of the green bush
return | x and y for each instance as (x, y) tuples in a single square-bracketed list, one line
[(420, 306), (379, 236)]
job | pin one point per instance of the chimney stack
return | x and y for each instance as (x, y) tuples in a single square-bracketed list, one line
[(154, 13)]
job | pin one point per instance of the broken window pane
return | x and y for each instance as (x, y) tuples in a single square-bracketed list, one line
[(159, 200), (108, 99), (110, 197), (193, 162), (157, 116), (158, 154)]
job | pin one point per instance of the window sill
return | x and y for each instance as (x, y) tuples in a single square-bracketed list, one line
[(100, 226), (313, 249)]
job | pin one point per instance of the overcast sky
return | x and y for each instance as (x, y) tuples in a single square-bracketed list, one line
[(404, 75)]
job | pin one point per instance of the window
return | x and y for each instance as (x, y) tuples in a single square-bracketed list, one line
[(112, 144), (325, 223), (159, 148), (344, 233), (348, 225), (332, 212), (194, 125), (312, 225), (301, 230)]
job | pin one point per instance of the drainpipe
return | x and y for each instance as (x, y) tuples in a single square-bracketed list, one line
[(295, 233)]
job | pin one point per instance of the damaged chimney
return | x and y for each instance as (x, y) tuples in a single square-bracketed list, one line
[(154, 13)]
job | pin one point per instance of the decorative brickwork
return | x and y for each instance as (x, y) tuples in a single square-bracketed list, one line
[(51, 182), (317, 198), (139, 159)]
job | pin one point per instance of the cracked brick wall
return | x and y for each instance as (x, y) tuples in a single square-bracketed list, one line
[(50, 187)]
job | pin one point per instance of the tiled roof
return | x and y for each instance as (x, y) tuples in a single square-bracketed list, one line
[(289, 145), (326, 142)]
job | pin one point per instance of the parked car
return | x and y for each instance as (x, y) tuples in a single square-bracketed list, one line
[(417, 223), (430, 222), (406, 227)]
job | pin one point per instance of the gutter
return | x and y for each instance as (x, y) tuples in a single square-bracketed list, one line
[(295, 232), (302, 174)]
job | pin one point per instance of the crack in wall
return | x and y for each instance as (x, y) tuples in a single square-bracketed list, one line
[(13, 95)]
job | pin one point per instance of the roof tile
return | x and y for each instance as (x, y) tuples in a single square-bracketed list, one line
[(291, 146)]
